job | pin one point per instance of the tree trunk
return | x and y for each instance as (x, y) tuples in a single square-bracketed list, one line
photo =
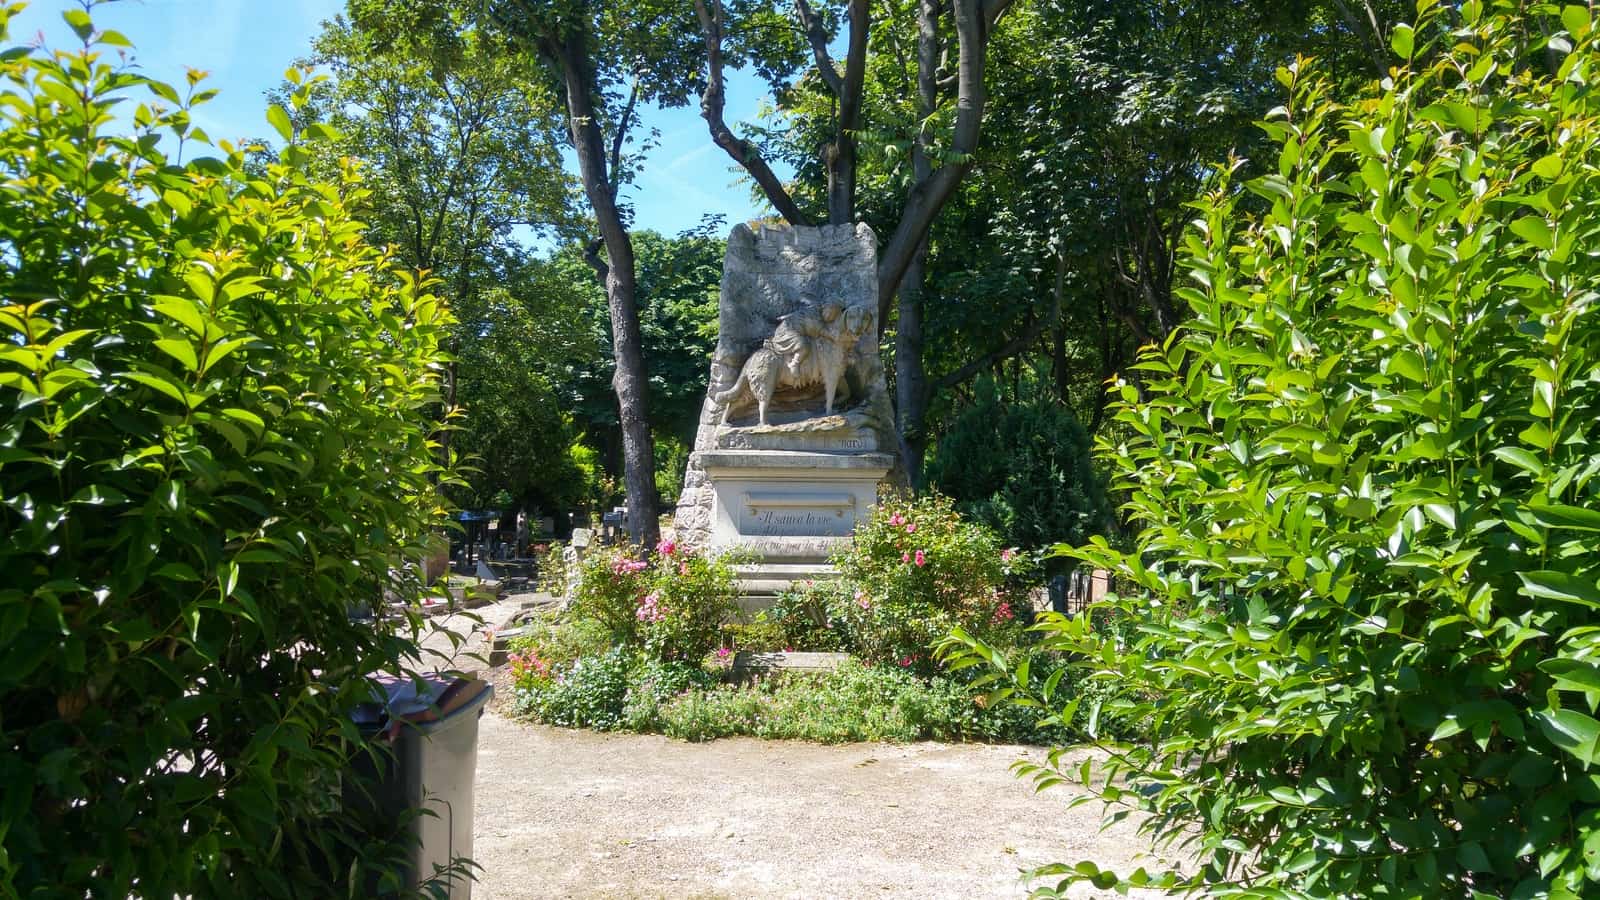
[(629, 381), (973, 20), (910, 378), (1058, 363)]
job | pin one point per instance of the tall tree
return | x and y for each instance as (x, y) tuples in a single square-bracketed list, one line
[(943, 151), (459, 143), (592, 49), (602, 60)]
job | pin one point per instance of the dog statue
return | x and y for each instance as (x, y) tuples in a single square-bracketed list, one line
[(810, 346)]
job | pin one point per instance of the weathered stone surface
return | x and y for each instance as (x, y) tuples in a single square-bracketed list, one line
[(796, 436)]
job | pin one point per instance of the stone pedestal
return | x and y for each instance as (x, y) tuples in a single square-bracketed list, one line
[(789, 510), (777, 474)]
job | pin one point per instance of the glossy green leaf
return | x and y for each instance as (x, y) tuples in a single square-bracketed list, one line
[(1571, 731), (1560, 586)]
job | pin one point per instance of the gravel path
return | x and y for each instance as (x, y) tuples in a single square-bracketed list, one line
[(563, 813), (567, 813)]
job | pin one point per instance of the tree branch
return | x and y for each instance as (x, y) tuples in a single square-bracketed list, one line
[(1003, 352), (712, 103), (817, 36), (841, 155), (1372, 41), (591, 255), (617, 140), (973, 19)]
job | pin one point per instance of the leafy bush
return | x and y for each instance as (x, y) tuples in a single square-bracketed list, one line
[(653, 684), (853, 702), (560, 642), (593, 693), (550, 565), (1365, 474), (673, 605), (798, 620), (1022, 469), (611, 584), (804, 616), (918, 570), (213, 445), (691, 597)]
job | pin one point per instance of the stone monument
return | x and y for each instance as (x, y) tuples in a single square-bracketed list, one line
[(797, 432)]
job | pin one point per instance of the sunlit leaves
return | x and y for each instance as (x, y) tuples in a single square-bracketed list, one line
[(212, 448), (1363, 613)]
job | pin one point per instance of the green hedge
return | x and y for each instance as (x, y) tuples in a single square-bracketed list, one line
[(1367, 601), (214, 420)]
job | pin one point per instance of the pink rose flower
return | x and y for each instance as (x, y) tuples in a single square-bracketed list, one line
[(906, 557), (911, 528), (723, 653), (650, 610), (666, 548), (897, 520), (922, 558), (1007, 554)]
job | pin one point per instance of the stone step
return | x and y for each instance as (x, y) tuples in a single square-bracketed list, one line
[(760, 584)]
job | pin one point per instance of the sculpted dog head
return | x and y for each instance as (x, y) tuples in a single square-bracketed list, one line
[(857, 320)]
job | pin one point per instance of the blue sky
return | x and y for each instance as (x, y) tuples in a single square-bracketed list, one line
[(246, 45)]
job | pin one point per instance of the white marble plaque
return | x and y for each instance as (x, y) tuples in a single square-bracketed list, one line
[(812, 513)]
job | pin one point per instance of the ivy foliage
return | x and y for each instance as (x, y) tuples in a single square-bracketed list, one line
[(1366, 602), (213, 446)]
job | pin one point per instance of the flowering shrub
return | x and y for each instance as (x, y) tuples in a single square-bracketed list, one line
[(550, 564), (691, 597), (610, 586), (673, 606), (653, 684), (917, 570)]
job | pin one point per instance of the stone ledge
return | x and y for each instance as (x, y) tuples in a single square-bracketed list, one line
[(794, 459), (746, 663)]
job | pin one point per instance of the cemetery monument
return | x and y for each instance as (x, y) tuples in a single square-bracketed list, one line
[(796, 435)]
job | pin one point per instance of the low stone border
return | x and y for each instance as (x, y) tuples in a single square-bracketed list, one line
[(746, 663)]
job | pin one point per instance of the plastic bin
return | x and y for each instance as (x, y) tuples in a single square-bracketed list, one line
[(434, 733)]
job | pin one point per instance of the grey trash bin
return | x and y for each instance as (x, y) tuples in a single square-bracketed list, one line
[(434, 733)]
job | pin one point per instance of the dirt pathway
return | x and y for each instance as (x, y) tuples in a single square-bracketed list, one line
[(564, 813)]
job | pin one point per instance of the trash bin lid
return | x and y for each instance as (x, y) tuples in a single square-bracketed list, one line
[(422, 698)]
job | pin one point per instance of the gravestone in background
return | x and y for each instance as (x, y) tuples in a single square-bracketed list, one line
[(775, 470)]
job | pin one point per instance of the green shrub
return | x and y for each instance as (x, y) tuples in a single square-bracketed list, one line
[(610, 585), (593, 693), (214, 445), (1022, 469), (653, 684), (550, 565), (760, 635), (1365, 473), (804, 616), (798, 620), (725, 711), (853, 702), (560, 642), (691, 597), (918, 570)]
